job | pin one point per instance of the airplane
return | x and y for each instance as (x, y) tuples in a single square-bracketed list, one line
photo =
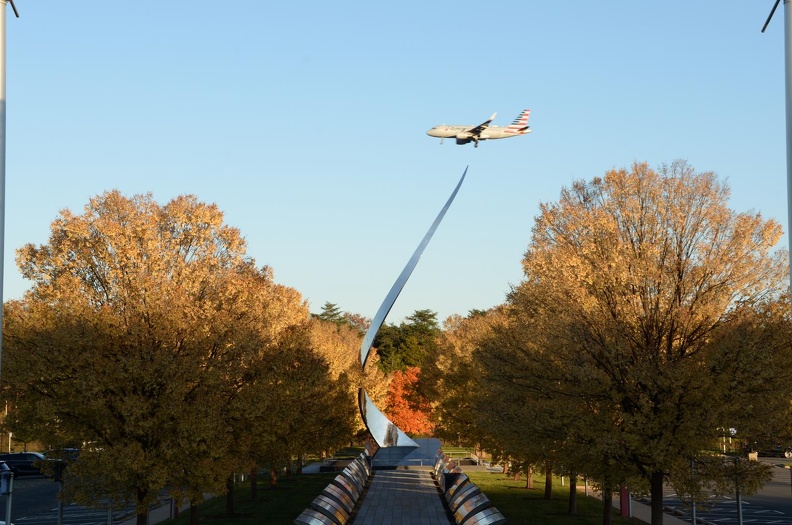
[(466, 134)]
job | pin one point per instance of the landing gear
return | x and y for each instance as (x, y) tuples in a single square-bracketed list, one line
[(475, 145)]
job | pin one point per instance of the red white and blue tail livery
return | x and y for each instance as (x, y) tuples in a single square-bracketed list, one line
[(466, 134)]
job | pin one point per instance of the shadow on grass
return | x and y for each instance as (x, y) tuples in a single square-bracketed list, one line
[(523, 506), (278, 506)]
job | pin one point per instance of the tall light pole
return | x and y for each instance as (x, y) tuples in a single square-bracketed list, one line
[(788, 91), (10, 483), (3, 5)]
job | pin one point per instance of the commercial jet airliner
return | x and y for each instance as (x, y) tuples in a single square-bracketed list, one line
[(465, 134)]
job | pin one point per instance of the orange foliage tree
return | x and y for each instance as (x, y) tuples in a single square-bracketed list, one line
[(405, 407)]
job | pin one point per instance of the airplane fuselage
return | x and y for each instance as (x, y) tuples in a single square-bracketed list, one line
[(444, 131)]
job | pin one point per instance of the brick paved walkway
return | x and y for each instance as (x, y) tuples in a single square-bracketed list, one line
[(402, 497)]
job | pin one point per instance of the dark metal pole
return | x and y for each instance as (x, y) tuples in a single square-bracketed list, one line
[(737, 489), (692, 496)]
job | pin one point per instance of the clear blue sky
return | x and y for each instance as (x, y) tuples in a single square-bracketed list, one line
[(306, 123)]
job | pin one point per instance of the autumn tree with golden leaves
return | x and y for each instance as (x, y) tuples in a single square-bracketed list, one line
[(138, 339), (631, 282), (298, 406), (449, 378)]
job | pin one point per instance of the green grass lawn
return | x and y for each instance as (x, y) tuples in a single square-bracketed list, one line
[(457, 453), (523, 506), (277, 506), (519, 505)]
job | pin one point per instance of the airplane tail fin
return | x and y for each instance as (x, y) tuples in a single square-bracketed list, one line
[(521, 122)]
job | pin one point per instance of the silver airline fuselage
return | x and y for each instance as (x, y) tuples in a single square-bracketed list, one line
[(466, 134)]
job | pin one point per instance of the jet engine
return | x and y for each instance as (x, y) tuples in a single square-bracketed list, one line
[(462, 140)]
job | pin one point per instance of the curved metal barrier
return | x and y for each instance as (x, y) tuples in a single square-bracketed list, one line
[(466, 502), (336, 503)]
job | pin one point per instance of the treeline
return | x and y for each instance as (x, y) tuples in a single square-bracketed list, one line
[(151, 341), (651, 321)]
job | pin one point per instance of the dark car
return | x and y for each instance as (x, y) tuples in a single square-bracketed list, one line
[(62, 454), (22, 463)]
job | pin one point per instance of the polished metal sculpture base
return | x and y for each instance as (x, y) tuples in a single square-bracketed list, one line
[(391, 457), (407, 457), (393, 442), (384, 432)]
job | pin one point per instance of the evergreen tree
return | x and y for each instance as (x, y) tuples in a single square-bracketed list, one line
[(409, 343), (331, 313)]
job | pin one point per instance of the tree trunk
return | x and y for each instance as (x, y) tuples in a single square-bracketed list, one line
[(656, 487), (607, 506), (193, 513), (572, 493), (548, 481), (529, 478), (141, 508), (230, 496), (253, 484)]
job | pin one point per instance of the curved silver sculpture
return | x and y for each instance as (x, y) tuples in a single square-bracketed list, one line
[(393, 442)]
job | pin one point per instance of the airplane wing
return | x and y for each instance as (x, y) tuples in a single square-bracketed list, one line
[(481, 127)]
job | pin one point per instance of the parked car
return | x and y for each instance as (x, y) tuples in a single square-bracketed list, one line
[(23, 463), (62, 454)]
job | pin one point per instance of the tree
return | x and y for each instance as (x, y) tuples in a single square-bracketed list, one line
[(752, 353), (299, 407), (534, 420), (449, 377), (405, 407), (338, 344), (406, 345), (634, 277), (358, 322), (132, 339), (331, 313)]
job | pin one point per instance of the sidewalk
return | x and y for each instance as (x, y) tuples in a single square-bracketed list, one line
[(156, 515), (643, 512), (402, 497)]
